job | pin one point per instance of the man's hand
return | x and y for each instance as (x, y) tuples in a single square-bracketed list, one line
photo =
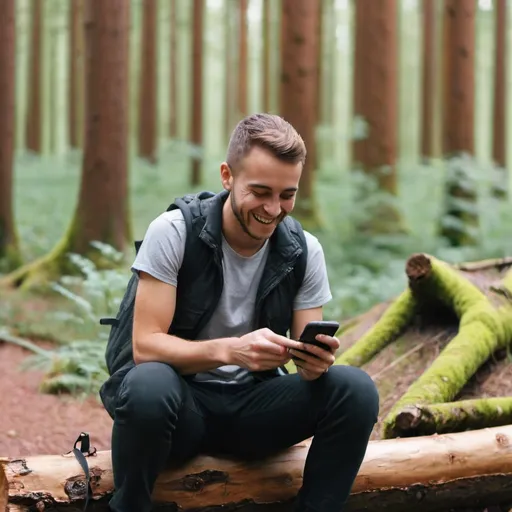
[(310, 367), (260, 350)]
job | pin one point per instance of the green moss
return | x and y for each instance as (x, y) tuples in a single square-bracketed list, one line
[(454, 416), (388, 327), (450, 287)]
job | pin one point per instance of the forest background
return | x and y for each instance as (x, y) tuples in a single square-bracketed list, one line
[(403, 107)]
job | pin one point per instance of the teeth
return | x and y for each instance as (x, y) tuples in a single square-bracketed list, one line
[(262, 220)]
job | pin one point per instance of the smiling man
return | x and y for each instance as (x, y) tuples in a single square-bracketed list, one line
[(198, 352)]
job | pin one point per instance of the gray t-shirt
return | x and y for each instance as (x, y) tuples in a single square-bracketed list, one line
[(161, 255)]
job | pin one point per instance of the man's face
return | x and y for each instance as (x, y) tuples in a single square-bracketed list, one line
[(262, 190)]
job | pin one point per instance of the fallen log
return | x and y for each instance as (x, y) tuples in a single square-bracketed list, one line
[(485, 326), (421, 473), (426, 419)]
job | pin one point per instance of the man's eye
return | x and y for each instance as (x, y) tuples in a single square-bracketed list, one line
[(286, 198)]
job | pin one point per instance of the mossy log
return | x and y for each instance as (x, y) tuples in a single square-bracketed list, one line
[(426, 473), (396, 317), (457, 416), (484, 327)]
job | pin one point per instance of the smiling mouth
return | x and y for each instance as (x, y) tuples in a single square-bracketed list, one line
[(262, 220)]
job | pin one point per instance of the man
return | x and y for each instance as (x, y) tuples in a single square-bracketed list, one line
[(231, 275)]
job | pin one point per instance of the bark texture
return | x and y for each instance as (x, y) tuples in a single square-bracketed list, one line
[(299, 80), (423, 473), (429, 66), (148, 83), (461, 219), (34, 139), (499, 147), (196, 127), (376, 107), (76, 74), (9, 251)]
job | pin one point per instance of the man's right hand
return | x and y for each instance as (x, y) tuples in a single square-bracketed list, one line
[(260, 350)]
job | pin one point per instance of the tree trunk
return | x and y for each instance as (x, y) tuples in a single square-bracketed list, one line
[(500, 99), (459, 224), (34, 108), (9, 250), (76, 75), (173, 124), (196, 127), (429, 80), (424, 474), (102, 210), (242, 58), (148, 83), (299, 79), (376, 105), (266, 69)]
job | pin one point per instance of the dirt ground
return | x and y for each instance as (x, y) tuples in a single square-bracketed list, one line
[(32, 423)]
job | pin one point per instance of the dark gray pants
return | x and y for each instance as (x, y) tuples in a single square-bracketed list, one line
[(161, 417)]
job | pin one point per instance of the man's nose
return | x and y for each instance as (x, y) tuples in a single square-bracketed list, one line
[(273, 208)]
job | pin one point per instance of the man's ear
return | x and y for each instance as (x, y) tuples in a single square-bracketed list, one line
[(226, 176)]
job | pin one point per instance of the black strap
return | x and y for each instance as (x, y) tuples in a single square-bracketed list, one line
[(80, 455)]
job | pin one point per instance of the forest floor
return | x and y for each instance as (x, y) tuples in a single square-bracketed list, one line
[(34, 423)]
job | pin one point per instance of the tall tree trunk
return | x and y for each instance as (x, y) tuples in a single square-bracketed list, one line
[(266, 74), (242, 58), (229, 56), (299, 80), (102, 209), (148, 83), (9, 254), (376, 105), (429, 66), (34, 139), (459, 224), (196, 127), (76, 76), (500, 98), (173, 125)]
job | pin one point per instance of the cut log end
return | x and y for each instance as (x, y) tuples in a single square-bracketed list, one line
[(418, 267)]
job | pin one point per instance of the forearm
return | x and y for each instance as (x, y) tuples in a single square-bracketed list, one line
[(187, 357)]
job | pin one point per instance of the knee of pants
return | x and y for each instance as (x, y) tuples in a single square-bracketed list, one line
[(150, 396), (354, 394)]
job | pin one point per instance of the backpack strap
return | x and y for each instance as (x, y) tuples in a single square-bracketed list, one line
[(80, 455)]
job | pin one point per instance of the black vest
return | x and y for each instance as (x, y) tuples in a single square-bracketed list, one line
[(200, 283), (200, 278)]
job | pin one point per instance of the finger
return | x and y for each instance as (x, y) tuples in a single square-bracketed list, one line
[(320, 353), (308, 361), (268, 347), (284, 341), (331, 341), (304, 365)]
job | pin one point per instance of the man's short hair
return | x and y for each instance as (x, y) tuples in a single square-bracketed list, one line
[(267, 131)]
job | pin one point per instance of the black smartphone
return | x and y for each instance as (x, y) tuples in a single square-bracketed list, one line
[(312, 329)]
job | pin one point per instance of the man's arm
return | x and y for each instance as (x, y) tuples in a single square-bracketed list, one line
[(155, 304), (301, 318)]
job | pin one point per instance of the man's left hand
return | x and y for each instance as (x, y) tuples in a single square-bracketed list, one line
[(315, 361)]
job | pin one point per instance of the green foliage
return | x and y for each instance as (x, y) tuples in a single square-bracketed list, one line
[(78, 366)]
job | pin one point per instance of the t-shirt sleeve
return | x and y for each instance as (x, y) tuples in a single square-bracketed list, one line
[(163, 247), (315, 290)]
